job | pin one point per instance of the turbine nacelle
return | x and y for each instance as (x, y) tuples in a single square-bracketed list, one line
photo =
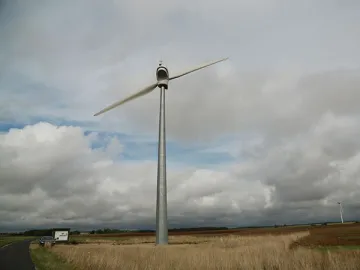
[(162, 76)]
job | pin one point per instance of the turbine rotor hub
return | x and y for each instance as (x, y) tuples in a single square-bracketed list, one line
[(162, 75)]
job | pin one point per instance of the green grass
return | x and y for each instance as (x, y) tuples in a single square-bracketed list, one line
[(44, 259), (5, 240), (338, 248), (78, 238)]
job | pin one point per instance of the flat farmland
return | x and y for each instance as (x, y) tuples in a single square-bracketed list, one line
[(347, 235), (201, 251), (319, 236), (252, 231), (289, 247)]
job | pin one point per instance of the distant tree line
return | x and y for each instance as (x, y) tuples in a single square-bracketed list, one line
[(198, 229), (40, 232), (276, 226), (113, 231), (12, 234), (108, 231), (48, 232), (44, 232)]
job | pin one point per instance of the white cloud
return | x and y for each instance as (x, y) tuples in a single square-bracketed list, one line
[(58, 176), (50, 175)]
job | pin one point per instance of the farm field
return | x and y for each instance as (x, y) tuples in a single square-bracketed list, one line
[(263, 248), (5, 240), (132, 237), (252, 231), (335, 234), (347, 235)]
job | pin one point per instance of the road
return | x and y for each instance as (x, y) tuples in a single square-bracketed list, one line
[(16, 256)]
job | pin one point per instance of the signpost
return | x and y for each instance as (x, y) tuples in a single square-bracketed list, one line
[(61, 234)]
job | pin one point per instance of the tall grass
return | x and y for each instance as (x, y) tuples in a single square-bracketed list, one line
[(228, 252)]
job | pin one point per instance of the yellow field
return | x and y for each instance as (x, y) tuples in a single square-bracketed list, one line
[(227, 252)]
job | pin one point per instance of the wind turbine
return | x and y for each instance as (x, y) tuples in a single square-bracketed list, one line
[(341, 212), (340, 168), (163, 78)]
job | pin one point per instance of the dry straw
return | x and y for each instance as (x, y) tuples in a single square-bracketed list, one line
[(191, 253)]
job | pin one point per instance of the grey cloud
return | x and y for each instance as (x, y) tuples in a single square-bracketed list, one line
[(305, 173), (123, 195), (90, 54), (78, 184)]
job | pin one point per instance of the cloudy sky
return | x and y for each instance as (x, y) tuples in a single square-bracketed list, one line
[(270, 136)]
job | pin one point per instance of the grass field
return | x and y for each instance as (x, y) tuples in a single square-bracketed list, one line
[(44, 259), (302, 247), (266, 248), (5, 240), (347, 233)]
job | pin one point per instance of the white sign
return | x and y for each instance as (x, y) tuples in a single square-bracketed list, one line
[(61, 235)]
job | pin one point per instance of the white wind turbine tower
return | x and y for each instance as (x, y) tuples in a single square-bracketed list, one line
[(341, 212), (339, 168), (163, 78)]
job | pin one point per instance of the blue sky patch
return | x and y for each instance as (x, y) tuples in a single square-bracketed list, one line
[(142, 147), (6, 126), (145, 148)]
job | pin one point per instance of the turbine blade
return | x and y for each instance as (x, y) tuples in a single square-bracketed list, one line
[(197, 68), (142, 92)]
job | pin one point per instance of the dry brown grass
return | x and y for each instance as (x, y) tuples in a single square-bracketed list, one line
[(47, 245), (183, 239), (227, 252)]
